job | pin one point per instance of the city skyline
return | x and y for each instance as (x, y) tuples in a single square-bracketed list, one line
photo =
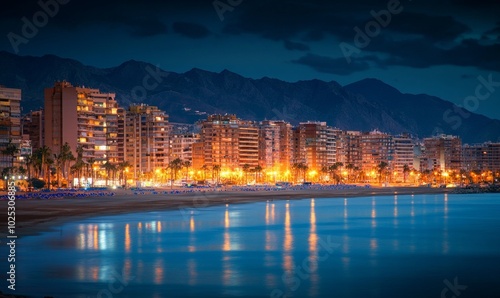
[(84, 126), (440, 48)]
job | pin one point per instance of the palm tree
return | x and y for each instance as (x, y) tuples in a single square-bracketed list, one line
[(174, 166), (49, 162), (334, 170), (109, 168), (90, 164), (186, 164), (301, 167), (246, 169), (58, 163), (66, 156), (356, 174), (122, 167), (11, 150), (43, 154), (406, 170), (325, 171), (258, 170), (216, 169), (349, 168), (79, 164), (28, 161), (204, 168), (381, 168)]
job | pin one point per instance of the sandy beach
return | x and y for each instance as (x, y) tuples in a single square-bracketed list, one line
[(36, 215)]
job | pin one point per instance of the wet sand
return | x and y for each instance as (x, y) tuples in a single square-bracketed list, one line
[(35, 215)]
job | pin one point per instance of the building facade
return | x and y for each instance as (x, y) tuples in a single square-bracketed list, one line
[(481, 157), (442, 153), (10, 126), (146, 139), (82, 117), (33, 125), (227, 142)]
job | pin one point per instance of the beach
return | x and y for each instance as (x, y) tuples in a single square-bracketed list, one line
[(37, 215)]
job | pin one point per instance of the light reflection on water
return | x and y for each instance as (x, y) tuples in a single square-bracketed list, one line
[(252, 249)]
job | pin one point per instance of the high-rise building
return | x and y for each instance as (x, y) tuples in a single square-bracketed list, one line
[(376, 147), (147, 139), (248, 144), (443, 152), (82, 117), (227, 142), (403, 154), (10, 125), (33, 125), (275, 145), (348, 148), (481, 157), (315, 145), (182, 146)]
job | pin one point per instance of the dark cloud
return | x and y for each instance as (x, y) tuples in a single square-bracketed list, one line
[(493, 33), (436, 28), (145, 28), (421, 53), (191, 30), (329, 65), (292, 46)]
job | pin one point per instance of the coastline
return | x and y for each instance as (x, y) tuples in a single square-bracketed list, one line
[(35, 216)]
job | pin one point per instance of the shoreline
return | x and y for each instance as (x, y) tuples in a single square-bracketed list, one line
[(36, 216)]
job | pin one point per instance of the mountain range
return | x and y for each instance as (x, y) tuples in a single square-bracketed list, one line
[(187, 97)]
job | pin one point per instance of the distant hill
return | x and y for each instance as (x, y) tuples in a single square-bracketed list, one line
[(365, 105)]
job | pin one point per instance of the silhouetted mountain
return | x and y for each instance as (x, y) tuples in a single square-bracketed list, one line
[(365, 105)]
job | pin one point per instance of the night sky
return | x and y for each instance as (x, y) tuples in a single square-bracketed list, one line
[(434, 47)]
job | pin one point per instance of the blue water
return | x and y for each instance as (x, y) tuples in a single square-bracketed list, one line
[(398, 246)]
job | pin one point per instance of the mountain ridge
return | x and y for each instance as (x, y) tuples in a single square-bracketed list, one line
[(187, 97)]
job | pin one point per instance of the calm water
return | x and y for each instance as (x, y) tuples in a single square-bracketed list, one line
[(399, 246)]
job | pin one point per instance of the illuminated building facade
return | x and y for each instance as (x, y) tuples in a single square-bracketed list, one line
[(10, 124), (82, 117), (147, 139)]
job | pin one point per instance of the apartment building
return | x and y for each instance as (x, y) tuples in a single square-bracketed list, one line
[(376, 147), (33, 126), (182, 146), (146, 139), (10, 125), (83, 117), (481, 157), (228, 142), (443, 152), (315, 145)]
